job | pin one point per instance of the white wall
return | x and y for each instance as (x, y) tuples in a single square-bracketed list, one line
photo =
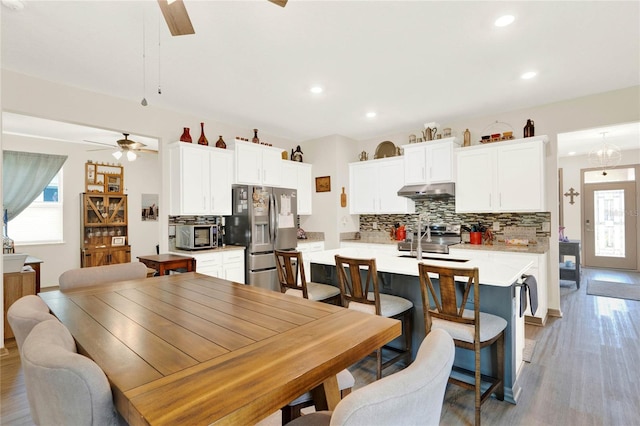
[(330, 156), (571, 176)]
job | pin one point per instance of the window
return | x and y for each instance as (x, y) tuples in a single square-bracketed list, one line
[(41, 222)]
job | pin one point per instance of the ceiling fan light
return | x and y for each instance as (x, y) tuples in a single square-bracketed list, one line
[(117, 154), (131, 156)]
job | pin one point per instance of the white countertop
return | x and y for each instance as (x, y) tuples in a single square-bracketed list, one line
[(492, 272)]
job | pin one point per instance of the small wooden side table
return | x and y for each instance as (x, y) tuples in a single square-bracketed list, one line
[(163, 263)]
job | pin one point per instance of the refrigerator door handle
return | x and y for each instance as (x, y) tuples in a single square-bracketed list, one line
[(276, 209), (272, 219)]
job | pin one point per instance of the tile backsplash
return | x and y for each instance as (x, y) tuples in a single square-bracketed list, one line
[(444, 211)]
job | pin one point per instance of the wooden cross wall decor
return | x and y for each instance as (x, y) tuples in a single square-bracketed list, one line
[(572, 193)]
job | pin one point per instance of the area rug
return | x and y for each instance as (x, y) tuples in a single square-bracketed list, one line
[(613, 289), (529, 348)]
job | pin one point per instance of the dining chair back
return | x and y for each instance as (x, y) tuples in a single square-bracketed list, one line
[(363, 294), (24, 314), (446, 308), (64, 387), (293, 279), (413, 396), (96, 275)]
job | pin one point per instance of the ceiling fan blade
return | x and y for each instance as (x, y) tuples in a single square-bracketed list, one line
[(281, 3), (177, 17), (150, 151)]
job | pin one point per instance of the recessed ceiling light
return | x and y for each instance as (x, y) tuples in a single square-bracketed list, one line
[(572, 153), (371, 114), (316, 89), (505, 20), (528, 75)]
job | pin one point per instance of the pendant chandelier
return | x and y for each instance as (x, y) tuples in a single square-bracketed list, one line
[(606, 156)]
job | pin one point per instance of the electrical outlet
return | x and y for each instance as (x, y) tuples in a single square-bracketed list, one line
[(374, 225), (496, 226)]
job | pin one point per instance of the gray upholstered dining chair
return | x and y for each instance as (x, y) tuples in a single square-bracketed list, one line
[(413, 396), (96, 275), (447, 308), (24, 314), (293, 279), (64, 387)]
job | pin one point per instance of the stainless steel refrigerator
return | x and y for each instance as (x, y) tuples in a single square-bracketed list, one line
[(263, 219)]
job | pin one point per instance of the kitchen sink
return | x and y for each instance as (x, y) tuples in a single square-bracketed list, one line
[(412, 256)]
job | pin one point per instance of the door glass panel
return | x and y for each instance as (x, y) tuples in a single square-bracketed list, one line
[(613, 175), (609, 223)]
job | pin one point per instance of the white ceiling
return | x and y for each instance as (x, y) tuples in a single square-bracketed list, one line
[(251, 63)]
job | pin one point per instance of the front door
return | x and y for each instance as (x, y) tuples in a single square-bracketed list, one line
[(610, 218)]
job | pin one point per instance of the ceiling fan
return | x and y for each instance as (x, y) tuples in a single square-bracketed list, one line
[(125, 146), (177, 18)]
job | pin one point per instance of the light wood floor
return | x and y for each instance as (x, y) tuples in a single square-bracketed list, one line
[(584, 369)]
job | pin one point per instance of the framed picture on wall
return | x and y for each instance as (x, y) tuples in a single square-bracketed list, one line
[(323, 184)]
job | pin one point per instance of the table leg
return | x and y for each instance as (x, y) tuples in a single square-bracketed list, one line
[(327, 395)]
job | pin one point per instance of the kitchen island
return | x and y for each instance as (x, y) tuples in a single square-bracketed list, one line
[(498, 295)]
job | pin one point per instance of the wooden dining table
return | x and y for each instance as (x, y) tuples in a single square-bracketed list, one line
[(194, 349)]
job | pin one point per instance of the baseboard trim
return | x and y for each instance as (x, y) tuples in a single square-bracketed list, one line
[(539, 322), (557, 313)]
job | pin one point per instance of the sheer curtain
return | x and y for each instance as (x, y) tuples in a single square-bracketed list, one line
[(24, 176)]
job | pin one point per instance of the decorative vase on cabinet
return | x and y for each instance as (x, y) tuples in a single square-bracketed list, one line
[(220, 143), (203, 139), (186, 137), (255, 136)]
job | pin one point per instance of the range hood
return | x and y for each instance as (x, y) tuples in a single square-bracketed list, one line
[(424, 191)]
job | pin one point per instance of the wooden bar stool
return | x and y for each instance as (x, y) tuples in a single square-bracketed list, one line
[(290, 268), (365, 296), (293, 280), (471, 330)]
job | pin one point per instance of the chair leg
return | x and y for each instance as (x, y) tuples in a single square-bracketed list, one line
[(478, 383), (500, 388), (379, 364), (289, 413), (407, 328)]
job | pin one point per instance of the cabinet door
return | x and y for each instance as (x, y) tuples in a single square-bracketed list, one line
[(440, 163), (390, 180), (120, 255), (194, 181), (95, 257), (521, 177), (248, 164), (475, 180), (271, 167), (221, 179), (415, 165), (363, 182), (304, 174)]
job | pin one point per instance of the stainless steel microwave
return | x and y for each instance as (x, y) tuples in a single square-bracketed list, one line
[(196, 237)]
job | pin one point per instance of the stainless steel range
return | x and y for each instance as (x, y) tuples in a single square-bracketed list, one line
[(436, 238)]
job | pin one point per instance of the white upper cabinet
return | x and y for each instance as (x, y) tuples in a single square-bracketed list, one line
[(258, 164), (430, 162), (374, 187), (200, 180), (298, 176), (502, 177)]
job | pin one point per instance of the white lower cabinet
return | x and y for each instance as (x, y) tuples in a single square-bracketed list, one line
[(228, 264)]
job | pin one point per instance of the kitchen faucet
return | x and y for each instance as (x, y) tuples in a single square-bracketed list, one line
[(427, 233)]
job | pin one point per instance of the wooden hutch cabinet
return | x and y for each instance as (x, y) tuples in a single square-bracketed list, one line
[(104, 230)]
